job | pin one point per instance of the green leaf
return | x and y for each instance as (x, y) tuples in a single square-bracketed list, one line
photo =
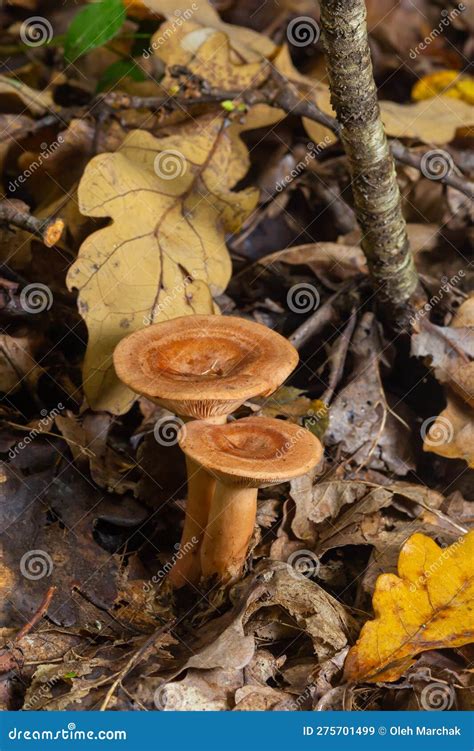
[(93, 26), (118, 70)]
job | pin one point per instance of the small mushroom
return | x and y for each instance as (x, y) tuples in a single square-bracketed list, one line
[(202, 367), (243, 455)]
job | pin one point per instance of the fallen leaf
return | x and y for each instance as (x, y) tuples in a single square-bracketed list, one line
[(165, 250), (249, 44), (17, 361), (334, 260), (208, 55), (451, 433), (199, 691), (446, 82), (315, 612), (292, 404), (431, 121), (427, 606), (360, 420), (38, 102)]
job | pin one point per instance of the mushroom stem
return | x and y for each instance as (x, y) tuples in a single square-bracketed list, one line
[(187, 566), (229, 530)]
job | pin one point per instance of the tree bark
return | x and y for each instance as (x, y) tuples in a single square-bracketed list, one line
[(374, 184)]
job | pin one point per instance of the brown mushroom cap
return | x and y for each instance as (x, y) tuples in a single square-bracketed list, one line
[(201, 366), (253, 452)]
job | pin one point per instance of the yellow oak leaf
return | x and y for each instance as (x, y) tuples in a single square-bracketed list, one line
[(431, 121), (434, 121), (249, 44), (446, 82), (429, 605), (208, 54), (164, 254)]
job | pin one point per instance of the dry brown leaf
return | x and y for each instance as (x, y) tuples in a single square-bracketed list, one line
[(360, 420), (325, 620), (451, 434), (427, 606), (334, 260), (38, 102), (333, 509), (171, 202), (17, 361)]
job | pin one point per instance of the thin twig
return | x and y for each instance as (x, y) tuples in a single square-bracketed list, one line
[(285, 96), (48, 230), (133, 661), (42, 610), (316, 322), (404, 155)]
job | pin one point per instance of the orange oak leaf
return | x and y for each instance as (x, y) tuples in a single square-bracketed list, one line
[(429, 605)]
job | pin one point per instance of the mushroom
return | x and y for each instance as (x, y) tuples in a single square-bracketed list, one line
[(202, 367), (243, 456)]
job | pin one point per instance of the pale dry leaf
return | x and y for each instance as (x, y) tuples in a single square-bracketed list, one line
[(263, 699), (433, 121), (171, 201), (208, 55), (199, 691), (451, 433), (249, 44), (38, 102)]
